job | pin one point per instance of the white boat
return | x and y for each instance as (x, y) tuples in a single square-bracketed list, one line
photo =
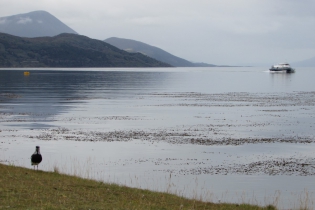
[(284, 67)]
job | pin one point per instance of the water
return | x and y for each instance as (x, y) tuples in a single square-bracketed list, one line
[(219, 134)]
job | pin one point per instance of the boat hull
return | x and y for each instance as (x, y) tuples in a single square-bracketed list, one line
[(283, 67)]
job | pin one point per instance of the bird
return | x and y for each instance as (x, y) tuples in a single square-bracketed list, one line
[(36, 158)]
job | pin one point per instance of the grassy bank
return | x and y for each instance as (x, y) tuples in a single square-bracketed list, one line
[(22, 188)]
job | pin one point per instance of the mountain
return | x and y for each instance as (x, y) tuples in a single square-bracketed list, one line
[(153, 52), (33, 24), (67, 50), (204, 65), (305, 63)]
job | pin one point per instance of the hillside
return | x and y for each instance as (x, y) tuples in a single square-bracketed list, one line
[(33, 24), (67, 50), (153, 52)]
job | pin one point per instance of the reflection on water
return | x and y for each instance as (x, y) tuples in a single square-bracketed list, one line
[(44, 94), (220, 126), (281, 79)]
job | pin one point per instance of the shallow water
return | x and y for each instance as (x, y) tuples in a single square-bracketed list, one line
[(220, 134)]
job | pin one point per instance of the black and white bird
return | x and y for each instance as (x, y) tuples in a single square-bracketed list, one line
[(36, 158)]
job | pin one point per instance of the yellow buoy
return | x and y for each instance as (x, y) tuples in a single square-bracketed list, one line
[(26, 73)]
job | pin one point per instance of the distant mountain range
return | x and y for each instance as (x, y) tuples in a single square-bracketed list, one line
[(33, 24), (43, 24), (67, 50), (305, 63), (153, 52)]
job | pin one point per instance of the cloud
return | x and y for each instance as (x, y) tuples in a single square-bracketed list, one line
[(24, 20), (145, 21)]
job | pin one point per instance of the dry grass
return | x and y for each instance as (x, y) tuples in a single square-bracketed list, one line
[(22, 188)]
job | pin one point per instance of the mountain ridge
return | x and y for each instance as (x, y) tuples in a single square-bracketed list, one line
[(33, 24), (67, 50), (130, 45)]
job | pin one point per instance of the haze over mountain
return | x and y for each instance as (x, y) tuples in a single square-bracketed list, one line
[(33, 24), (305, 63), (67, 50), (153, 52)]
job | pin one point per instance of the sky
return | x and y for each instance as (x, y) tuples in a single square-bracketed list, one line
[(221, 32)]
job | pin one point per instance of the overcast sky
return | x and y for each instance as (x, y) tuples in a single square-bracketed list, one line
[(231, 32)]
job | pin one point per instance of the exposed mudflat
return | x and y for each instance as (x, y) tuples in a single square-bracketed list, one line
[(279, 166), (186, 136)]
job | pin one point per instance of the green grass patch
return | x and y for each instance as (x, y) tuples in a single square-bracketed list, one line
[(22, 188)]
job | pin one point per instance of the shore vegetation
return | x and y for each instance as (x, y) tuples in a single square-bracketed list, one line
[(22, 188)]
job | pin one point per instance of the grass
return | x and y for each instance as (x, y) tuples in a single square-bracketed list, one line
[(22, 188)]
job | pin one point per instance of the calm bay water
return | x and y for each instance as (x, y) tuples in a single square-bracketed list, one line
[(220, 134)]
